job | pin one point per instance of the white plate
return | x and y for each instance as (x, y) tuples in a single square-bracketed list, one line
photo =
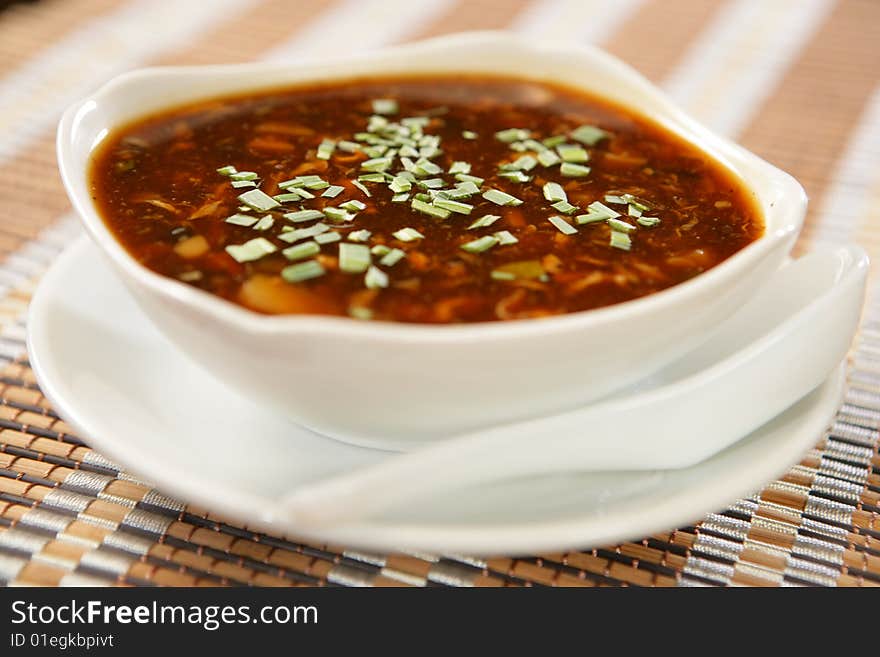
[(142, 403)]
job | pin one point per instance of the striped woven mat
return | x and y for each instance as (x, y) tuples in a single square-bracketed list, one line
[(794, 80)]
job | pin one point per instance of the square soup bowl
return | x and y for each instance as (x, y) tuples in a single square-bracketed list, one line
[(395, 386)]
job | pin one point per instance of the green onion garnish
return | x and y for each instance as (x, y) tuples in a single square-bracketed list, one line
[(375, 278), (400, 198), (589, 134), (460, 167), (523, 163), (620, 240), (636, 203), (505, 237), (302, 271), (571, 153), (484, 221), (265, 223), (240, 184), (303, 215), (500, 198), (354, 205), (338, 214), (467, 178), (385, 106), (481, 244), (303, 233), (466, 188), (613, 198), (431, 183), (400, 184), (251, 250), (408, 234), (227, 170), (555, 140), (359, 235), (359, 312), (333, 191), (361, 187), (515, 176), (501, 275), (372, 177), (633, 211), (243, 175), (241, 220), (572, 170), (392, 257), (353, 258), (597, 206), (288, 198), (512, 134), (565, 207), (348, 146), (548, 158), (554, 192), (300, 251), (258, 200), (562, 225), (327, 238), (380, 250), (617, 224), (427, 208), (425, 167), (377, 164), (325, 149), (648, 221), (468, 134), (591, 217), (454, 206)]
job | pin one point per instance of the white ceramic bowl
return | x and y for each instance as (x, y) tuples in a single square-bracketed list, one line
[(396, 385)]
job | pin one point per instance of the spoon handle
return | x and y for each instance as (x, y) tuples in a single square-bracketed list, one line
[(687, 420)]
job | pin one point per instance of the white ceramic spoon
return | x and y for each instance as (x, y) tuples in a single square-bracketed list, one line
[(777, 348)]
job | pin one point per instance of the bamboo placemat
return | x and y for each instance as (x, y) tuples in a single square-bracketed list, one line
[(794, 80)]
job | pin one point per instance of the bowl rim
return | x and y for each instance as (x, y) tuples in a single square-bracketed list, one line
[(666, 113)]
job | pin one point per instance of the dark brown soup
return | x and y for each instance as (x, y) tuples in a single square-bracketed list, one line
[(418, 200)]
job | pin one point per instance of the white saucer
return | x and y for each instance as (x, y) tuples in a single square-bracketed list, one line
[(142, 403)]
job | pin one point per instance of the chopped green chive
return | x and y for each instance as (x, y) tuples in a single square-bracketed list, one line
[(454, 206), (523, 163), (515, 176), (385, 106), (325, 149), (505, 237), (427, 208), (562, 225), (468, 134), (484, 221), (392, 257), (571, 153), (375, 278), (380, 250), (400, 184), (359, 312), (377, 164), (372, 177), (303, 215), (353, 258), (400, 198), (243, 175), (408, 234), (227, 170), (622, 226), (288, 198), (241, 220), (303, 233), (348, 146), (467, 188), (467, 178), (479, 245), (512, 134), (597, 206), (589, 134), (633, 211), (573, 170), (338, 214), (500, 198), (620, 240), (555, 140), (327, 238), (251, 250), (565, 207), (460, 167), (333, 191), (258, 200), (425, 167), (431, 183), (354, 205), (265, 223), (502, 275), (648, 221), (616, 200), (359, 235), (300, 251), (302, 271), (548, 158), (240, 184), (591, 217), (361, 187), (636, 203), (554, 192)]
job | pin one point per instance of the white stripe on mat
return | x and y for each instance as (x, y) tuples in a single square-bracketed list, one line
[(357, 26), (33, 96), (739, 59), (575, 20)]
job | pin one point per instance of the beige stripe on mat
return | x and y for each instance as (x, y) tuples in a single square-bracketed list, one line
[(28, 29), (575, 20), (468, 15)]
